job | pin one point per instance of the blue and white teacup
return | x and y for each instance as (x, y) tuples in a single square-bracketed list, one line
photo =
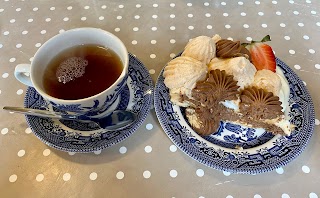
[(100, 103)]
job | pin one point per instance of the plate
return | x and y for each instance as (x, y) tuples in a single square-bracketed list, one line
[(75, 136), (261, 151)]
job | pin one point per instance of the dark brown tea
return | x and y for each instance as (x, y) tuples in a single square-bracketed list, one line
[(81, 71)]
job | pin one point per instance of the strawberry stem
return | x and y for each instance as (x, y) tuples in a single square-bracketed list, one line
[(266, 38)]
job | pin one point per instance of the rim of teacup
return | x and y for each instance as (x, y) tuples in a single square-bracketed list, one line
[(120, 78)]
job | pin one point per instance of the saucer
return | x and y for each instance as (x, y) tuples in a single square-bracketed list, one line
[(235, 148), (75, 136)]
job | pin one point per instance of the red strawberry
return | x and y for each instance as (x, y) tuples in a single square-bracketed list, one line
[(262, 56)]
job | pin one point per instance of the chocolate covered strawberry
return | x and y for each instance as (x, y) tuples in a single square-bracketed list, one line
[(262, 56)]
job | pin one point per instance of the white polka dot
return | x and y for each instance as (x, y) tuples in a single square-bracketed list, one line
[(229, 196), (282, 25), (240, 3), (206, 4), (246, 26), (278, 13), (223, 3), (39, 177), (13, 178), (306, 37), (120, 17), (66, 177), (226, 173), (120, 175), (97, 152), (284, 195), (308, 1), (313, 12), (135, 29), (71, 153), (146, 174), (312, 51), (69, 8), (86, 7), (190, 15), (264, 25), (43, 31), (172, 41), (291, 1), (172, 5), (31, 59), (155, 5), (138, 6), (200, 173), (173, 148), (318, 23), (287, 37), (30, 20), (173, 173), (1, 9), (6, 33), (301, 24), (295, 12), (316, 121), (209, 27), (148, 149), (4, 131), (260, 13), (172, 16), (20, 91), (5, 75), (257, 196), (52, 8), (11, 60), (292, 51), (18, 9), (298, 67), (93, 176), (257, 2), (117, 29), (154, 16), (103, 6), (46, 152), (21, 153), (48, 19), (24, 32), (1, 45), (65, 19), (28, 130), (12, 20), (151, 71), (101, 18), (280, 171), (154, 28), (172, 55), (153, 41), (305, 169), (37, 44), (149, 126), (123, 150), (243, 14), (274, 2), (208, 15), (313, 195), (227, 26), (189, 4), (190, 27), (134, 42)]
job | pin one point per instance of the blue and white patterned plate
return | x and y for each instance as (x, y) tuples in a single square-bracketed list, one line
[(261, 151), (73, 136)]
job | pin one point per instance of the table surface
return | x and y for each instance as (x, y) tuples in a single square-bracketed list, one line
[(147, 164)]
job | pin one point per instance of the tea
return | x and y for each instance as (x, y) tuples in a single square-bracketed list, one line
[(81, 71)]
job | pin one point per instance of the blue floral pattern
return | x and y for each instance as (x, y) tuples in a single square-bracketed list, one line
[(261, 151), (73, 136)]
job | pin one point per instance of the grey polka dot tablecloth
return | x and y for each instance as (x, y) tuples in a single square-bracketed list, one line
[(148, 164)]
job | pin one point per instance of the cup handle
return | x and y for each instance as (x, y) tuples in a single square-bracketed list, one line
[(22, 74)]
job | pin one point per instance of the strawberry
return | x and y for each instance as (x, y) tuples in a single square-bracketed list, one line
[(262, 56)]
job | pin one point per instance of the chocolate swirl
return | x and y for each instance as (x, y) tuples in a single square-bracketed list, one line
[(259, 104), (228, 49)]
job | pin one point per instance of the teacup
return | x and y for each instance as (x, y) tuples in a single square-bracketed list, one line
[(33, 74)]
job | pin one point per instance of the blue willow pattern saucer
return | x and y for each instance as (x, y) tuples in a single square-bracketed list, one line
[(73, 136), (261, 151)]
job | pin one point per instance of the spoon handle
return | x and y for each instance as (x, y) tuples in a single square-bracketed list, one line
[(40, 113)]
